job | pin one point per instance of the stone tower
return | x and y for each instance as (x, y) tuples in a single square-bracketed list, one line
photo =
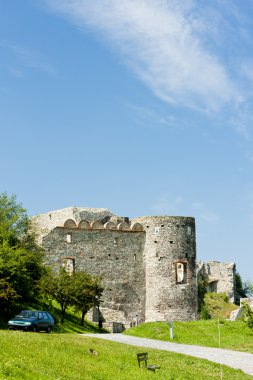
[(170, 257)]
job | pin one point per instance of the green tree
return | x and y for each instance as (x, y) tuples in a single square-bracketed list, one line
[(79, 290), (58, 286), (13, 219), (87, 292), (20, 257), (242, 289), (202, 290), (247, 314), (248, 288)]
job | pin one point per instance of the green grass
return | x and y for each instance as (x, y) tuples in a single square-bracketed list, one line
[(63, 355), (40, 356), (234, 335), (218, 305)]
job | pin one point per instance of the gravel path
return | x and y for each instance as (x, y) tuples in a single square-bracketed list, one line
[(233, 359)]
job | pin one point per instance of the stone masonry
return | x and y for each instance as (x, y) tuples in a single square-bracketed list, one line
[(148, 265), (220, 277)]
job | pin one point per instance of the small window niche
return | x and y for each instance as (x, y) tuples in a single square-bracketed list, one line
[(212, 286), (69, 265), (115, 242), (189, 231), (181, 274), (69, 238), (157, 230)]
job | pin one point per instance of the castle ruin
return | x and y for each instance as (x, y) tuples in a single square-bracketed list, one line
[(219, 277), (148, 264)]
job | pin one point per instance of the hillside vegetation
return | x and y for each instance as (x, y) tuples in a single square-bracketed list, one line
[(41, 356), (233, 335), (216, 305)]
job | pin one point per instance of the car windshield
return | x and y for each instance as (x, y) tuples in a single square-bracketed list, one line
[(28, 314)]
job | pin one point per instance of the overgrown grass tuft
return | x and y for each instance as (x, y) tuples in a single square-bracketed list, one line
[(234, 335), (41, 356)]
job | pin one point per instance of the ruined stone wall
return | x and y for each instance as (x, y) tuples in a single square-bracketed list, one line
[(115, 254), (170, 255), (220, 277), (147, 265)]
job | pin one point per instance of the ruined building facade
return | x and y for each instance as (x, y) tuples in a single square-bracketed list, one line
[(219, 277), (148, 265)]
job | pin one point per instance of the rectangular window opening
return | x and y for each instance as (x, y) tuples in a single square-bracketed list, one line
[(69, 265), (181, 273), (69, 238)]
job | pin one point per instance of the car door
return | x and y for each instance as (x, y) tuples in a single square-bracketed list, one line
[(42, 323), (46, 319)]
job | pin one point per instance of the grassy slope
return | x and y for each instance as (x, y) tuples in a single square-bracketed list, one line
[(234, 335), (66, 356), (218, 305), (44, 356), (71, 322)]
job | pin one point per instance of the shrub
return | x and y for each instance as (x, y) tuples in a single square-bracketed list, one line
[(204, 313), (247, 313)]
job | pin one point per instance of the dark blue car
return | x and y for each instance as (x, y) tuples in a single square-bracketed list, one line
[(32, 320)]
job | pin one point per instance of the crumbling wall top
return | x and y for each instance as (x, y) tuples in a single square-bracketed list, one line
[(44, 223)]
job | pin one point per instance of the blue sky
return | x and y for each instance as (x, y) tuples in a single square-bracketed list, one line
[(143, 107)]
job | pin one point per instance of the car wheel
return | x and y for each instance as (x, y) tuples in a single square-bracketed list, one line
[(49, 329)]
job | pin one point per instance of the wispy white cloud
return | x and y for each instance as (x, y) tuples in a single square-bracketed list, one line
[(167, 205), (12, 70), (204, 213), (241, 120), (31, 59), (18, 57), (165, 43), (247, 70), (153, 118)]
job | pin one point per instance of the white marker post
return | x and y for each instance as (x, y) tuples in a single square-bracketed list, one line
[(171, 330)]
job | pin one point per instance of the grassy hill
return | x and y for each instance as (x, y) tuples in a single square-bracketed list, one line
[(41, 356), (233, 335), (65, 355)]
